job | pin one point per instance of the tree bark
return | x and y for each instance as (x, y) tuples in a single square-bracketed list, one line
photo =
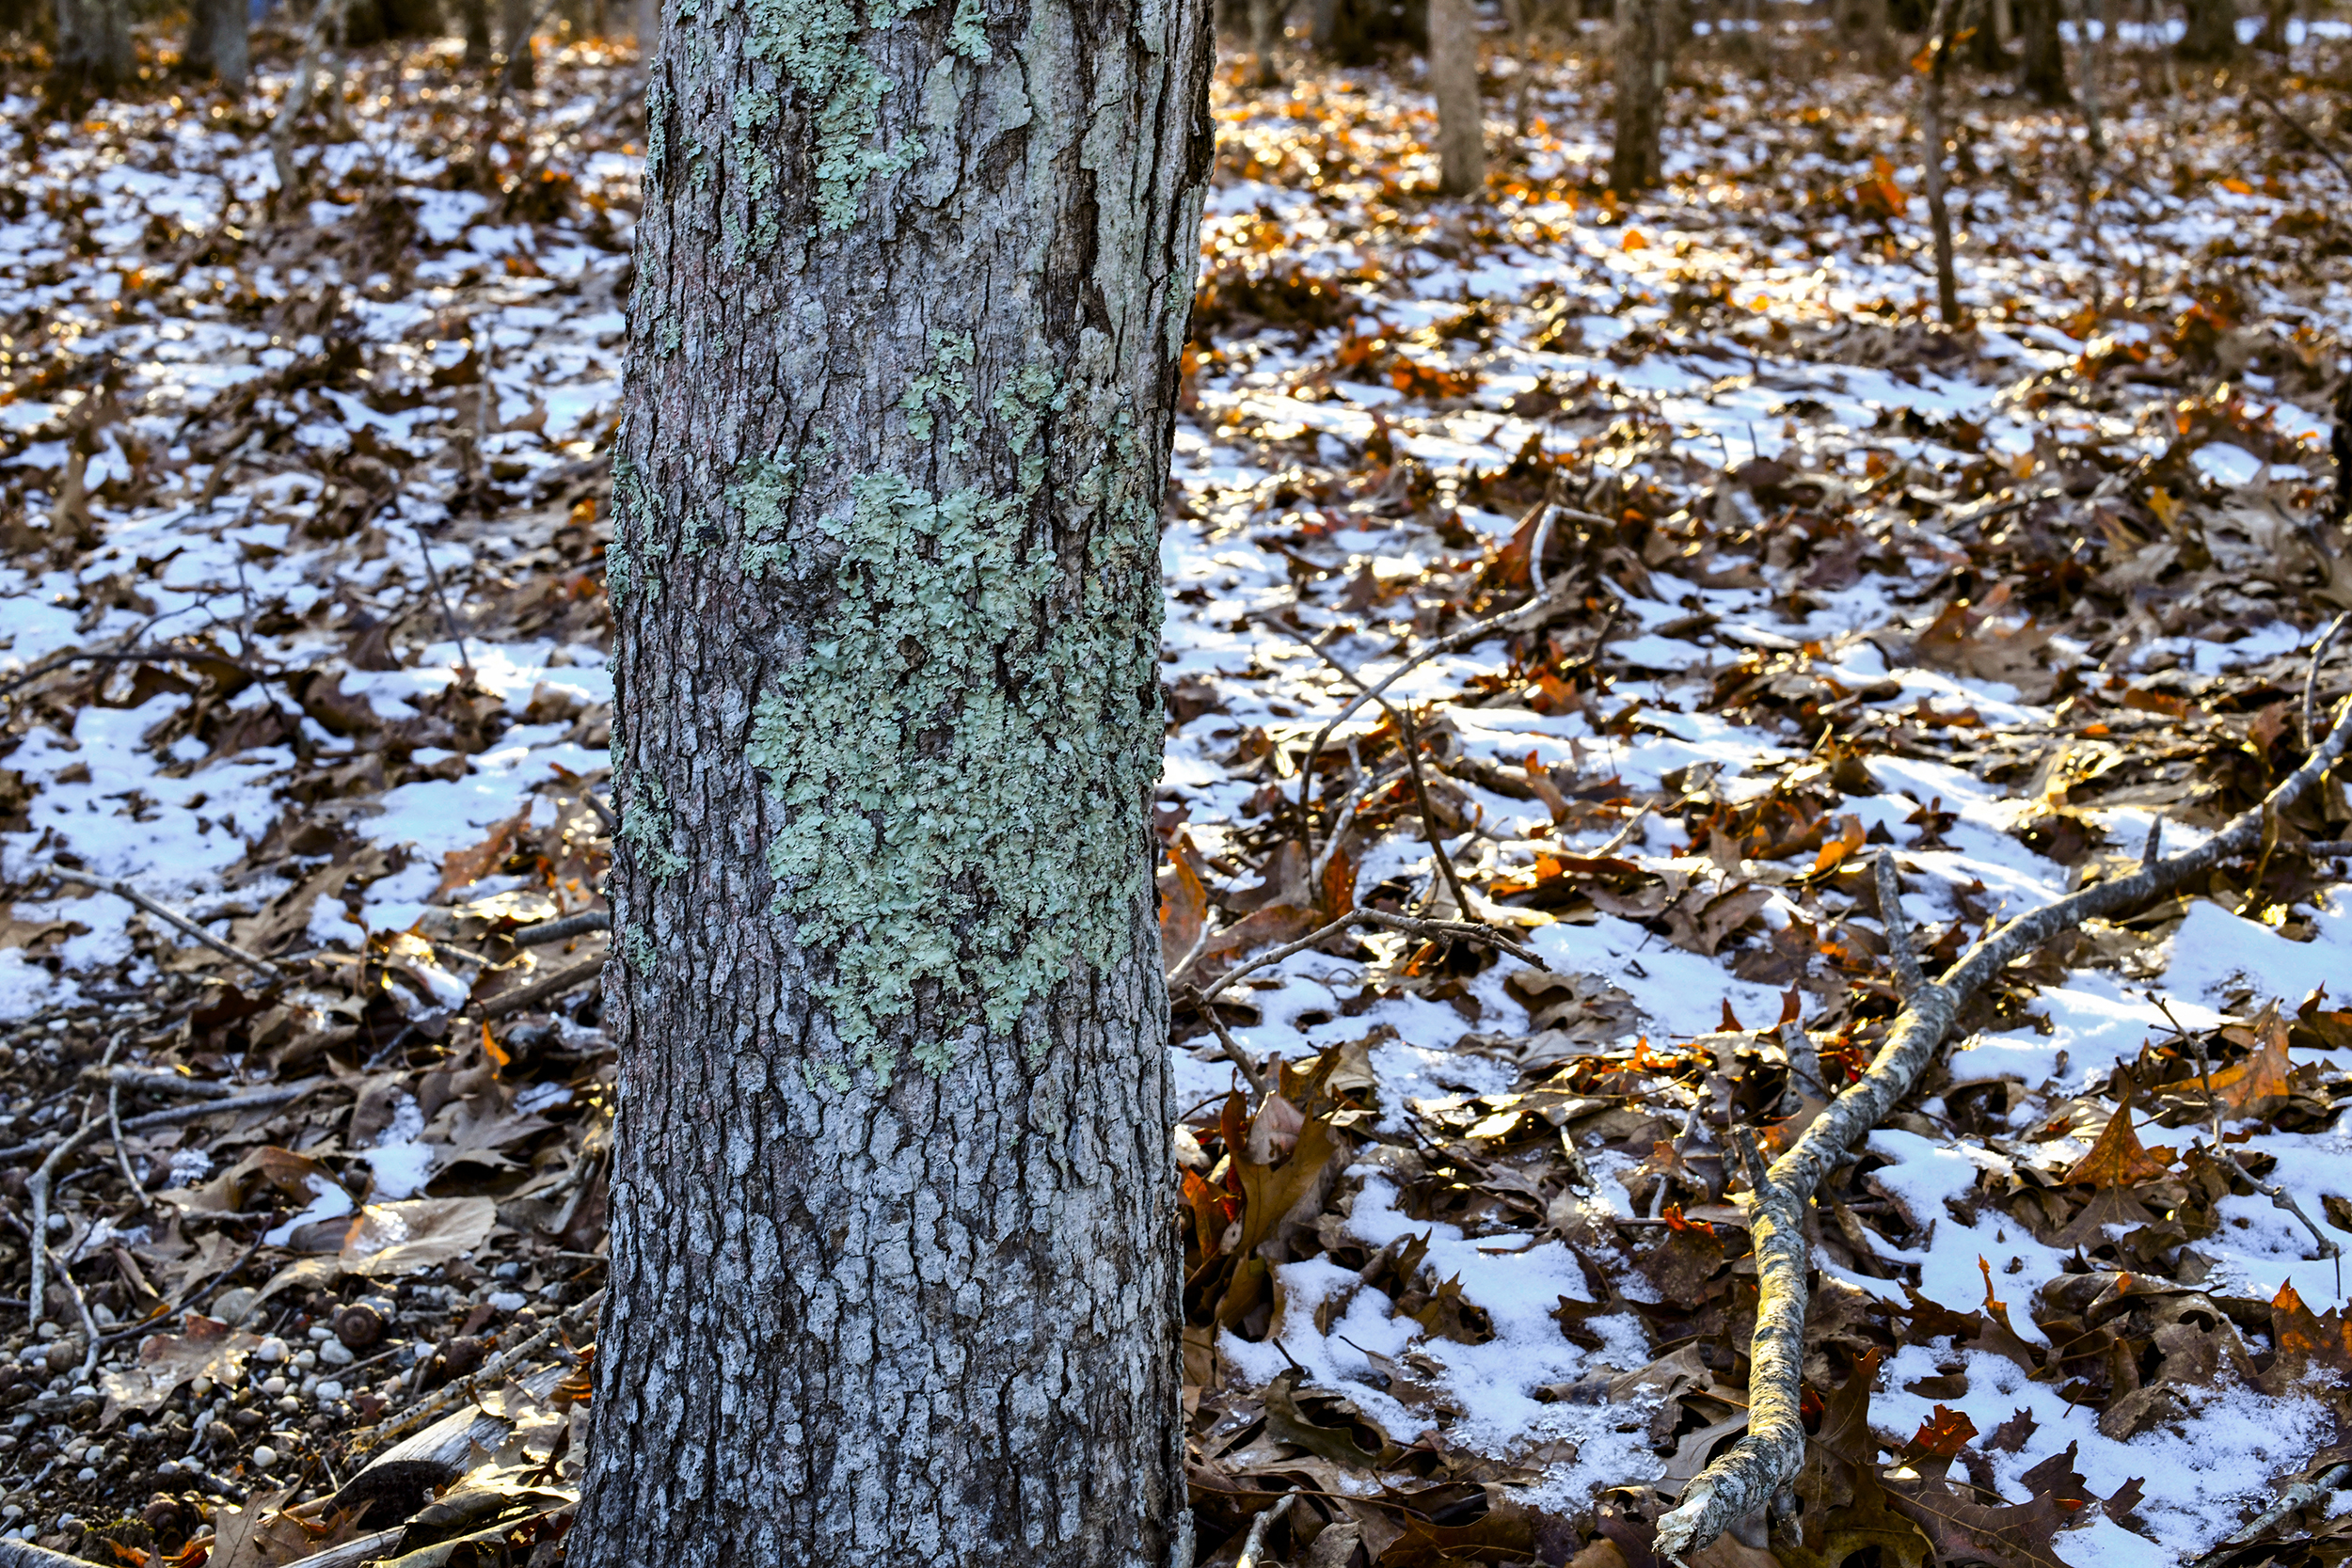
[(1644, 51), (219, 43), (2277, 16), (1931, 124), (1265, 31), (1454, 79), (514, 18), (2210, 30), (2042, 72), (474, 19), (894, 1272), (94, 43)]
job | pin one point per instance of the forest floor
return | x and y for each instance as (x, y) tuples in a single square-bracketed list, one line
[(305, 639)]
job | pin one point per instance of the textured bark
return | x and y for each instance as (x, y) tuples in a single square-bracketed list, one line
[(1644, 46), (474, 17), (1453, 78), (514, 18), (893, 1278), (94, 43), (218, 43), (1931, 124), (2041, 70), (1265, 31), (2210, 32)]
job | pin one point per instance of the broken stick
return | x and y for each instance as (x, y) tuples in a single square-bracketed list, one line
[(1766, 1458)]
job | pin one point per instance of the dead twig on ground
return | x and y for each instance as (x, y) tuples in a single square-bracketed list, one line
[(121, 889), (1762, 1462)]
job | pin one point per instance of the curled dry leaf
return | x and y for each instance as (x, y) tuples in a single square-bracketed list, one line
[(204, 1348), (388, 1240)]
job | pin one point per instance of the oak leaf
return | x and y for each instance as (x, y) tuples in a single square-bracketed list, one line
[(388, 1239)]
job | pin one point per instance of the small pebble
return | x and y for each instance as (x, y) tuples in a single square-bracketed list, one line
[(307, 1359), (509, 1301), (88, 1474), (289, 1405), (334, 1353), (272, 1349), (167, 1467), (264, 1456), (272, 1385), (329, 1389)]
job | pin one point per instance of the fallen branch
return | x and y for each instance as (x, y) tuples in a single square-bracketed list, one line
[(2292, 1499), (1765, 1459), (549, 932), (121, 889), (261, 1099), (570, 977), (488, 1376)]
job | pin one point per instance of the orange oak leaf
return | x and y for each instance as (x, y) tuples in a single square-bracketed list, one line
[(2117, 1159)]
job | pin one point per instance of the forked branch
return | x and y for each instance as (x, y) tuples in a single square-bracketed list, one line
[(1765, 1459)]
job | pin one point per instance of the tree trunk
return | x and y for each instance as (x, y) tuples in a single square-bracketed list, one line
[(895, 1273), (2041, 71), (1862, 31), (2211, 32), (94, 43), (1453, 78), (1931, 124), (219, 43), (1265, 31), (515, 19), (2277, 16), (474, 21), (1644, 56)]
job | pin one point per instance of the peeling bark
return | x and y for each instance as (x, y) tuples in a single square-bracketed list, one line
[(892, 1274)]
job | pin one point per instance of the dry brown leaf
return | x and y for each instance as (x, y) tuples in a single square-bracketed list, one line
[(206, 1348), (2261, 1076), (2117, 1159), (392, 1239)]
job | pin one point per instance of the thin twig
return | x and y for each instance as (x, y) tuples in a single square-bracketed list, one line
[(1756, 1469), (2295, 1496), (433, 576), (2311, 677), (1430, 831), (1908, 976), (419, 1415), (2303, 130), (570, 977), (1518, 619), (259, 1100), (1254, 1545), (36, 1294), (121, 889)]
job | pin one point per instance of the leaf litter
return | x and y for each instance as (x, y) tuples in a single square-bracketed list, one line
[(305, 495)]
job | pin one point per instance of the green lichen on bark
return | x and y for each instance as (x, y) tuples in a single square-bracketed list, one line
[(950, 381), (762, 491), (647, 827), (815, 45), (946, 755)]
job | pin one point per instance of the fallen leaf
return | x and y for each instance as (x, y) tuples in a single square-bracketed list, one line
[(388, 1239)]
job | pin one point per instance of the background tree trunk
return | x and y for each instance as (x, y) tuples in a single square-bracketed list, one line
[(94, 43), (2041, 70), (474, 22), (2277, 15), (1931, 124), (219, 43), (1265, 31), (2210, 30), (515, 17), (1453, 78), (895, 1274), (1645, 53)]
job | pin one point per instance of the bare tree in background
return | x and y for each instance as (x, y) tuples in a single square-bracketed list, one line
[(1453, 78), (1265, 31), (2041, 70), (1932, 123), (219, 41), (94, 44), (1645, 58), (2210, 32), (515, 18)]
